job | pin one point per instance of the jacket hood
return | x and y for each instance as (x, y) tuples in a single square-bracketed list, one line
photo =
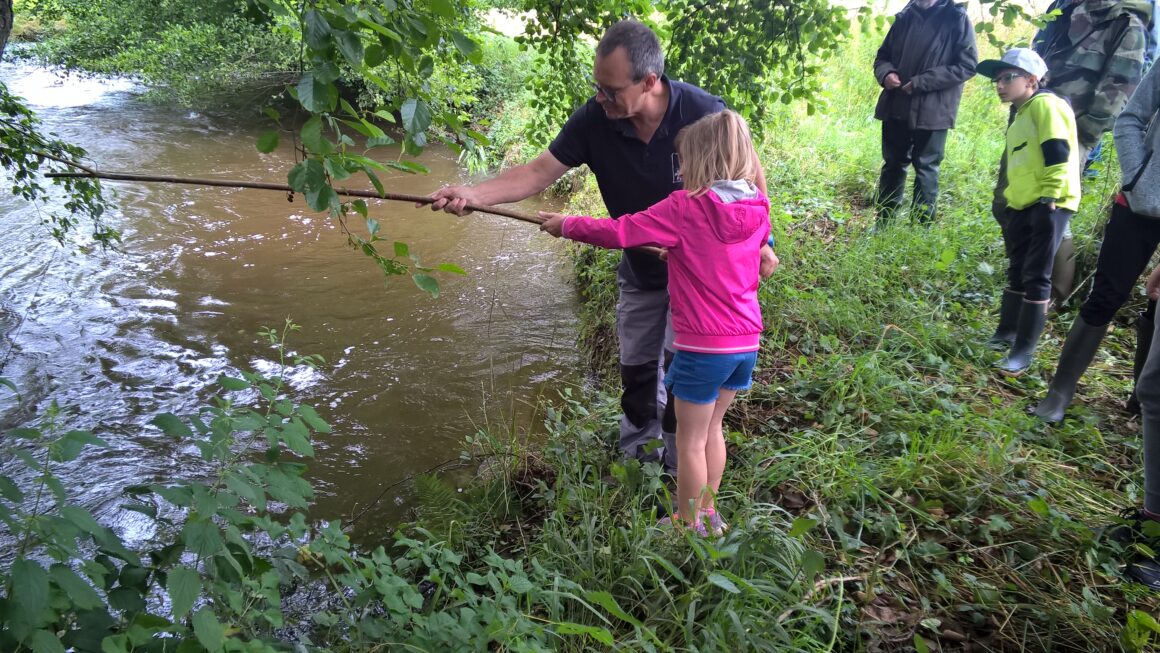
[(1142, 8), (738, 220), (939, 7)]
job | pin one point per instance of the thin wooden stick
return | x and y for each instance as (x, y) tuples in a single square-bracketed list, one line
[(261, 185)]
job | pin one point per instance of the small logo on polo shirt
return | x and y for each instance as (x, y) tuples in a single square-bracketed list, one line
[(677, 178)]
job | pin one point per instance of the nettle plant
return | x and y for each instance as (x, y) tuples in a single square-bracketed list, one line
[(235, 564), (203, 584)]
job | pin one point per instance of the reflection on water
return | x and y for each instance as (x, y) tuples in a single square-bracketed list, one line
[(121, 336)]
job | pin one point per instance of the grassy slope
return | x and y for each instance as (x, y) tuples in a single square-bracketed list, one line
[(876, 420)]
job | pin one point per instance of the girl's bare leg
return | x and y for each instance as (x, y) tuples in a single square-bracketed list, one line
[(715, 448), (692, 475)]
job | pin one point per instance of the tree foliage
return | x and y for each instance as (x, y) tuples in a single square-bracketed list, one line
[(26, 152), (750, 53)]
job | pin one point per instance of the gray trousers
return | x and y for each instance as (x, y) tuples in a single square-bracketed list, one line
[(1148, 391), (642, 325)]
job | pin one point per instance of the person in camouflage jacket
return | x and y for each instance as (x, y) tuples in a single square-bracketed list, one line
[(1095, 53)]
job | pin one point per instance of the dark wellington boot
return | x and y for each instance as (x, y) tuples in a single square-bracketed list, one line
[(1063, 271), (1032, 318), (1082, 342), (1009, 307), (1144, 330)]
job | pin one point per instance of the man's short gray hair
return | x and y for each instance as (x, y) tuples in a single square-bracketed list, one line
[(640, 44)]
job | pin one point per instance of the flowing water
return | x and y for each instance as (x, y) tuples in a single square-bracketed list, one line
[(118, 337)]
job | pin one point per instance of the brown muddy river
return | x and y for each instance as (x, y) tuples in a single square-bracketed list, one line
[(117, 337)]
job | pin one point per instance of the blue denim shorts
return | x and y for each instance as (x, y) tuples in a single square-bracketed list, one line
[(697, 378)]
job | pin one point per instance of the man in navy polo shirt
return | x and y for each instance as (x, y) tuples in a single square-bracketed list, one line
[(625, 136)]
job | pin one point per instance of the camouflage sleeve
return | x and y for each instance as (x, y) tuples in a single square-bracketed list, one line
[(958, 70), (883, 66), (1133, 123), (1120, 76)]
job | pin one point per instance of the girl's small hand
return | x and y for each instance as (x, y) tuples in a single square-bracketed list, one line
[(1153, 285), (769, 262), (553, 223)]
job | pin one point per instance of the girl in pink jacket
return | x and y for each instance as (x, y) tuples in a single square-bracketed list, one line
[(713, 232)]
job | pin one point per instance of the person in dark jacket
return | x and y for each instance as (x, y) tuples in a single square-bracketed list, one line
[(922, 64)]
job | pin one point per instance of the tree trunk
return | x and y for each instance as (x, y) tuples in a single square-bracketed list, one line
[(5, 23)]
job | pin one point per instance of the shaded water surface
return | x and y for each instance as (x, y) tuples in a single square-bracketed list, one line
[(118, 337)]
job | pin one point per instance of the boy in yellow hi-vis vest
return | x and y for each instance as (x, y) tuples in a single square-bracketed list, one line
[(1043, 192)]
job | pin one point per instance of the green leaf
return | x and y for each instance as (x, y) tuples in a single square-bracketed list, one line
[(118, 644), (408, 166), (79, 591), (321, 198), (402, 249), (416, 116), (379, 141), (268, 141), (452, 268), (32, 581), (70, 445), (801, 526), (184, 585), (313, 420), (326, 73), (351, 47), (233, 383), (237, 483), (426, 283), (43, 641), (202, 536), (468, 47), (127, 599), (920, 644), (171, 425), (208, 631), (82, 519), (317, 31), (312, 137), (315, 95), (606, 601), (599, 634), (374, 55), (724, 583), (9, 490), (443, 8), (335, 169), (372, 226), (520, 584), (296, 436)]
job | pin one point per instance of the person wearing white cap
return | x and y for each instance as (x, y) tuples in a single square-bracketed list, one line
[(1043, 192)]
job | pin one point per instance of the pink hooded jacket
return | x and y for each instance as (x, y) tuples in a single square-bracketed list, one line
[(714, 261)]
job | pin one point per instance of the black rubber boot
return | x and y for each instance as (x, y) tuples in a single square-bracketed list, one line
[(1009, 307), (1063, 271), (1144, 330), (1032, 318), (1082, 342)]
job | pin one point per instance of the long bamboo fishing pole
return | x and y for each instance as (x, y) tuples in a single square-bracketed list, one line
[(261, 185)]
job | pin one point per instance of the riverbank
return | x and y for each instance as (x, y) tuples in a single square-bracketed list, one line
[(887, 491), (876, 431)]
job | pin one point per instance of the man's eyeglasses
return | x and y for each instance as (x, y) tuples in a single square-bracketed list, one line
[(1008, 78), (609, 93)]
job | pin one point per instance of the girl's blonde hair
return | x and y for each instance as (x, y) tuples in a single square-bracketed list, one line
[(716, 147)]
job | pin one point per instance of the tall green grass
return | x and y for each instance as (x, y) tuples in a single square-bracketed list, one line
[(877, 430)]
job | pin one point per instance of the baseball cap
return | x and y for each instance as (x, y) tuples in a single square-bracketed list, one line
[(1024, 59)]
